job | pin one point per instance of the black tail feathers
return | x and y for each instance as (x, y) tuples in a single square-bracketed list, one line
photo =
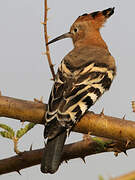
[(52, 154)]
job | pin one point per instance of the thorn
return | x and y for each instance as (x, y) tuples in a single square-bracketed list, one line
[(102, 112), (87, 136), (92, 112), (39, 101), (45, 53), (22, 121), (31, 147), (83, 159), (48, 9), (18, 172), (43, 23), (116, 154), (124, 116), (133, 106), (125, 152)]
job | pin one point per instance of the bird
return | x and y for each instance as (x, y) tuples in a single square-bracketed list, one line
[(83, 75)]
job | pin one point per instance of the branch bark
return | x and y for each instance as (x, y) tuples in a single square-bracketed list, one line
[(96, 124), (79, 149)]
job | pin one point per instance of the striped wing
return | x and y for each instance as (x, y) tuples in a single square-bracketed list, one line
[(74, 93)]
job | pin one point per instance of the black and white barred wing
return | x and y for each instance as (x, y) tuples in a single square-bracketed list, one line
[(92, 81), (74, 93)]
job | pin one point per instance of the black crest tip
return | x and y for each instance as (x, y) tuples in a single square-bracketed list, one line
[(108, 12)]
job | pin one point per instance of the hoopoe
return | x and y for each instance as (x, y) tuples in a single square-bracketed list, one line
[(83, 76)]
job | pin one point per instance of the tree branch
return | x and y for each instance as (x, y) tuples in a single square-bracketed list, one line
[(22, 110), (96, 124), (79, 149)]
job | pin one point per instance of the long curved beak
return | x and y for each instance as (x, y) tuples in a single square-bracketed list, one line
[(63, 36)]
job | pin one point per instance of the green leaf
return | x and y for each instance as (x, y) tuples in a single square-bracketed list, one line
[(7, 128), (6, 134), (24, 130), (101, 177)]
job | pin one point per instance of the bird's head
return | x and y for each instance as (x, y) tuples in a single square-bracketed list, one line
[(86, 28)]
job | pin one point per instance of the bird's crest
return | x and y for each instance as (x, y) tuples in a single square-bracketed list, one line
[(98, 18)]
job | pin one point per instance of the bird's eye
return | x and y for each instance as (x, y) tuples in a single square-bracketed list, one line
[(75, 30)]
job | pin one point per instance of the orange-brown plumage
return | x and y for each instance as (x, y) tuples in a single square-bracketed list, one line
[(90, 25)]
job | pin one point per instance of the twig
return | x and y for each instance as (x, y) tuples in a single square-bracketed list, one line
[(46, 40), (16, 150)]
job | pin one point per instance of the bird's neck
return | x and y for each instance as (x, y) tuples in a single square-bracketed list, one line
[(91, 40)]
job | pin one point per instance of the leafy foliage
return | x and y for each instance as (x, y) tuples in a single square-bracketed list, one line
[(24, 130), (9, 133)]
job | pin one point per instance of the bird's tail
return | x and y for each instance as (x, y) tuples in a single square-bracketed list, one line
[(52, 154)]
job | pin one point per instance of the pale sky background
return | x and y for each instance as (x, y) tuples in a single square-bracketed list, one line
[(24, 74)]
